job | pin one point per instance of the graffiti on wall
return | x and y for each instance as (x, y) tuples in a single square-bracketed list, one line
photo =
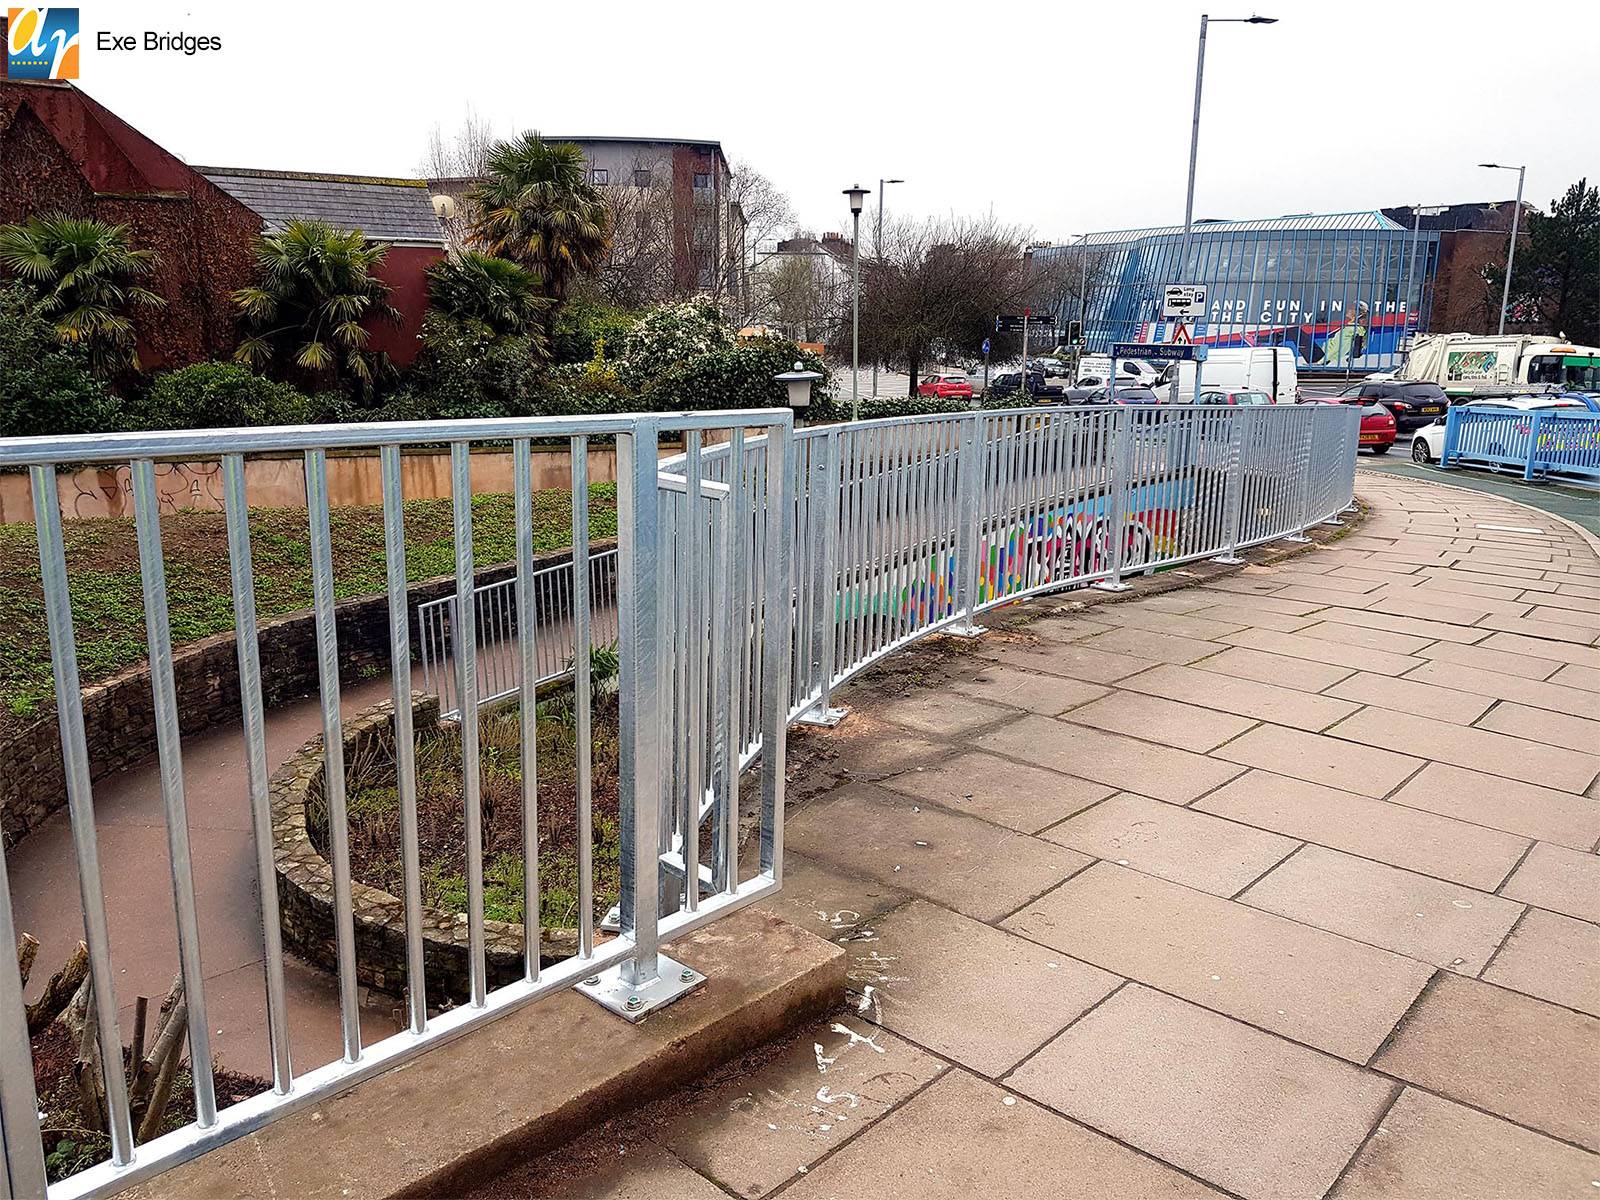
[(108, 492)]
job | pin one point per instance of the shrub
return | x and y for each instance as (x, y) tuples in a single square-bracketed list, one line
[(465, 371), (45, 387), (739, 377), (670, 335), (503, 296), (217, 395), (579, 390), (907, 406), (583, 327)]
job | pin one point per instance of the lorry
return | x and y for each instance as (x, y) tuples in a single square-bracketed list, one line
[(1467, 365), (1269, 369)]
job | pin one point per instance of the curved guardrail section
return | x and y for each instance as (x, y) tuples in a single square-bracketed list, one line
[(1540, 444), (753, 574)]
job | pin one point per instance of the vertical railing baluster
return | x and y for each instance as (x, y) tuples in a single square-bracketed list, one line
[(158, 637), (969, 481), (256, 768), (22, 1175), (527, 635), (467, 676), (583, 691), (694, 691), (1117, 501), (775, 645), (333, 780)]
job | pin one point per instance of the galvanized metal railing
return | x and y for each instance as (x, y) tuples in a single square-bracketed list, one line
[(1560, 443), (751, 577), (660, 520)]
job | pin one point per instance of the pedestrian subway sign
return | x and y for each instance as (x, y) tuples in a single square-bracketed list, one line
[(1157, 351), (1183, 300)]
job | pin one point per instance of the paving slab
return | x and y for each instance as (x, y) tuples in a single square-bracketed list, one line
[(1475, 748), (1179, 844), (1316, 758), (1276, 669), (1508, 804), (1031, 690), (1548, 627), (1520, 1058), (1419, 699), (972, 993), (1587, 678), (1245, 1110), (1553, 599), (1180, 625), (1156, 719), (1402, 837), (1553, 957), (960, 861), (1542, 725), (753, 1132), (1562, 880), (997, 789), (1424, 918), (1553, 696), (1256, 603), (1158, 647), (1534, 647), (1241, 617), (934, 711), (1245, 697), (1433, 630), (964, 1137), (831, 904), (1121, 762), (1428, 1148), (1408, 602), (1315, 987), (1072, 660), (870, 749), (633, 1168), (1368, 636), (1321, 650), (1487, 658)]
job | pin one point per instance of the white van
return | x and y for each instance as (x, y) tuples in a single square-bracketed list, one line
[(1092, 369), (1267, 369)]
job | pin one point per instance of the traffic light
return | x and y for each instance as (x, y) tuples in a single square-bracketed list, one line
[(1074, 333)]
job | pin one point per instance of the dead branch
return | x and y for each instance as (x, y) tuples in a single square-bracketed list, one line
[(170, 1047), (27, 951), (86, 1071), (58, 993), (170, 1026)]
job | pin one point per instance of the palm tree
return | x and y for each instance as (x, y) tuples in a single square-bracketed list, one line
[(84, 275), (502, 296), (316, 289), (538, 208)]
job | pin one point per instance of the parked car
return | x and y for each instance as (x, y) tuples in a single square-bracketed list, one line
[(1427, 443), (1039, 389), (1053, 368), (1234, 396), (1130, 394), (1412, 404), (946, 386), (1379, 429)]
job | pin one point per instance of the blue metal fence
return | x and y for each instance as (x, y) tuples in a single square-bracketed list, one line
[(1539, 444)]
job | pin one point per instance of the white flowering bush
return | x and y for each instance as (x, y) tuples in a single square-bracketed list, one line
[(670, 335)]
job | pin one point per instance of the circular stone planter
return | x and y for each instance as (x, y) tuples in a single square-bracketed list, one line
[(305, 885)]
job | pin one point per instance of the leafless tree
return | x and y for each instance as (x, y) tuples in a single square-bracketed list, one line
[(764, 211), (804, 295), (936, 290), (452, 161), (640, 269)]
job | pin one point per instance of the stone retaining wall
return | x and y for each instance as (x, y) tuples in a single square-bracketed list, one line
[(119, 720), (305, 883)]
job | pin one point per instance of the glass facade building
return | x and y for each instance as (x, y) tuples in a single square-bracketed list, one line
[(1342, 290)]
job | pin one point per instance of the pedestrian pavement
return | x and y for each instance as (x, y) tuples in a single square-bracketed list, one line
[(1282, 886)]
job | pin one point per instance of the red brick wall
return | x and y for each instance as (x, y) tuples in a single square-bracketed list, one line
[(405, 271)]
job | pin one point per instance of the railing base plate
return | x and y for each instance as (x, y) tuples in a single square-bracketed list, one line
[(1296, 537), (1110, 585), (964, 631), (1332, 521), (634, 1001), (612, 921), (826, 718), (1227, 560)]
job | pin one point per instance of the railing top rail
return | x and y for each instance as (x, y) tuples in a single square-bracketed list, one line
[(209, 443)]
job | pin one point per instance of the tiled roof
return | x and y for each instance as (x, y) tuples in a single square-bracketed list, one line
[(388, 210)]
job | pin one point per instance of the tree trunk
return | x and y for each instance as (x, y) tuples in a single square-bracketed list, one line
[(27, 951), (58, 993)]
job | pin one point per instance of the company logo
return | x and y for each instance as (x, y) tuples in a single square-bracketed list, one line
[(42, 43)]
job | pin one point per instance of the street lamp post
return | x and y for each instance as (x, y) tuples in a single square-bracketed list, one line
[(877, 253), (1511, 251), (1418, 211), (858, 195), (1194, 130)]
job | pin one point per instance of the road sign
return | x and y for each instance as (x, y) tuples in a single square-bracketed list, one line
[(1183, 299), (1153, 351), (1009, 324), (986, 346)]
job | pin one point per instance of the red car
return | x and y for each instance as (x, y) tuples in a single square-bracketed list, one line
[(946, 387), (1377, 422)]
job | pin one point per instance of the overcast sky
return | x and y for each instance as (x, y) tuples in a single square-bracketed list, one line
[(1061, 118)]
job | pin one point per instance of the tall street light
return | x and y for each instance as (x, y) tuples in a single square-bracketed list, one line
[(1511, 252), (1418, 211), (877, 253), (858, 195), (1194, 132)]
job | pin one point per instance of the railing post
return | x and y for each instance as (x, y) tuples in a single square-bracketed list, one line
[(1533, 448), (1233, 500), (1303, 491), (647, 980), (1324, 419), (1452, 437), (824, 552), (1117, 509), (969, 490)]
